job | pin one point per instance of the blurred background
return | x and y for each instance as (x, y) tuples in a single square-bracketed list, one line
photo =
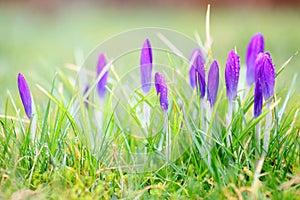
[(38, 37)]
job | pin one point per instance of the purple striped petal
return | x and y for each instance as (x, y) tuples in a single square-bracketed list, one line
[(162, 90), (103, 80), (258, 99), (256, 46), (232, 73), (213, 83), (146, 66), (197, 72), (266, 73), (25, 95)]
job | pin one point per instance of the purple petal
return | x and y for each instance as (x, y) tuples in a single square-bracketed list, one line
[(103, 80), (258, 99), (25, 95), (266, 72), (232, 73), (146, 66), (256, 46), (213, 83), (197, 71), (162, 89)]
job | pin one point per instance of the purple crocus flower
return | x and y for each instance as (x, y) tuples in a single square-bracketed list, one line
[(197, 71), (146, 66), (25, 95), (265, 70), (162, 90), (213, 83), (232, 73), (256, 46), (192, 72), (258, 99), (103, 80)]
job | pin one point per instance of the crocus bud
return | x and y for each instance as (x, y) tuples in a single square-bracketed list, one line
[(213, 83), (103, 80), (265, 70), (25, 95), (162, 90), (192, 72), (197, 71), (256, 46), (232, 73), (146, 66), (258, 99)]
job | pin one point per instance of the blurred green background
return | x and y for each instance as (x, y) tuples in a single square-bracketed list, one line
[(36, 40)]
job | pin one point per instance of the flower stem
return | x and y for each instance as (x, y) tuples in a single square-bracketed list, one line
[(268, 129), (229, 119), (168, 137), (257, 137)]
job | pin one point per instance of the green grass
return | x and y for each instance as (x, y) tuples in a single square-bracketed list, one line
[(60, 163)]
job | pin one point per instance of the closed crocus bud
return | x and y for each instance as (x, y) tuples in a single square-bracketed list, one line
[(192, 72), (25, 95), (213, 83), (162, 90), (256, 46), (232, 73), (258, 99), (266, 73), (103, 80), (146, 66), (198, 71)]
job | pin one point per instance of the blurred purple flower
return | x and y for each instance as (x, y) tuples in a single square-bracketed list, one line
[(197, 71), (265, 72), (213, 83), (103, 80), (146, 66), (258, 99), (192, 72), (162, 90), (86, 89), (256, 46), (232, 73), (25, 95)]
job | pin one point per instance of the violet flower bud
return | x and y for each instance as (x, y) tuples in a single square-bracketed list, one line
[(258, 99), (213, 83), (103, 80), (162, 90), (192, 72), (197, 71), (256, 46), (25, 95), (146, 66), (232, 73), (265, 70)]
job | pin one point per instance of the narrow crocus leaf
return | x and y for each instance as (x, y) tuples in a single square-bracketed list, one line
[(256, 46), (146, 66), (213, 83), (265, 70), (232, 73), (162, 90), (258, 99), (25, 95), (198, 68), (101, 87)]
